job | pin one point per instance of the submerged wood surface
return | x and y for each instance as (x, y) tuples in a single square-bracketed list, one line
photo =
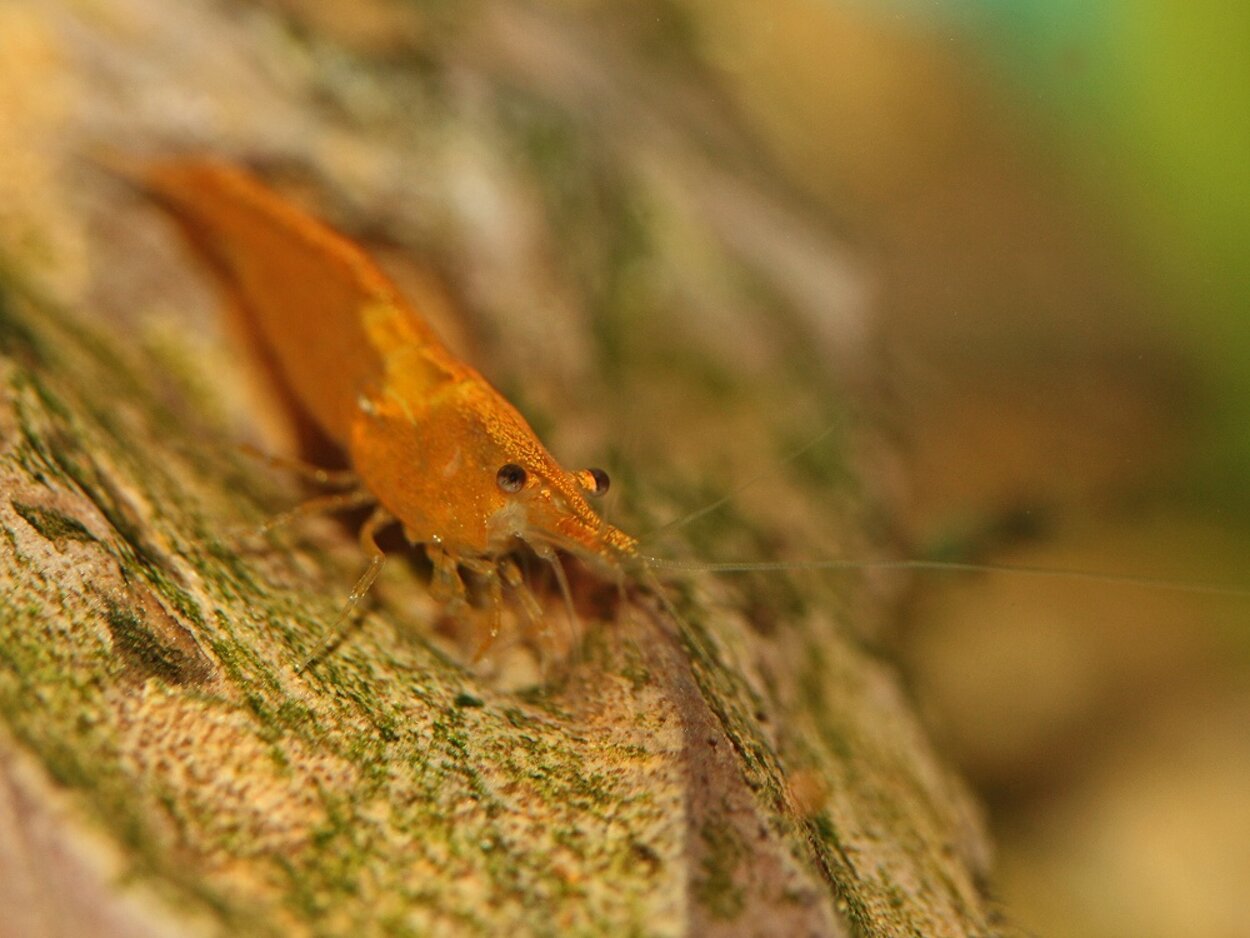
[(719, 757)]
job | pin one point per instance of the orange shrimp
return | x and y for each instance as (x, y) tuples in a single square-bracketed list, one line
[(431, 444)]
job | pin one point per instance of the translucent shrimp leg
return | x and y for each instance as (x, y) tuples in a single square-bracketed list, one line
[(369, 544)]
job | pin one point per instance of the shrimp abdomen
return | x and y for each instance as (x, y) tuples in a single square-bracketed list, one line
[(305, 291)]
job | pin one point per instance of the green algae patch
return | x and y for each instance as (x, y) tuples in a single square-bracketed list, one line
[(54, 525)]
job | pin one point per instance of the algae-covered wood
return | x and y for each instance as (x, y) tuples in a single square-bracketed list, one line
[(715, 757)]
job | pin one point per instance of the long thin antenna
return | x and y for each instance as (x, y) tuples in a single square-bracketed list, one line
[(683, 520), (946, 566)]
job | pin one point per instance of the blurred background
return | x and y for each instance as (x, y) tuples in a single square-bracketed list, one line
[(1034, 216), (1055, 201)]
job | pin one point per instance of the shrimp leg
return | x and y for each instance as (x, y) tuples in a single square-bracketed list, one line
[(330, 478), (377, 557), (337, 501)]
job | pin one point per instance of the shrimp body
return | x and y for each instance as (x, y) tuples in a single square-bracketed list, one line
[(440, 450)]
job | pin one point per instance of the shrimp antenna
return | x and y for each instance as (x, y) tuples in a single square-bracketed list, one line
[(790, 457), (945, 566)]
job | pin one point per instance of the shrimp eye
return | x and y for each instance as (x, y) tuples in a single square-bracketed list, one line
[(595, 481), (510, 478)]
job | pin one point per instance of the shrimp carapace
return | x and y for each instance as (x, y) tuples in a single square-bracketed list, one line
[(430, 440)]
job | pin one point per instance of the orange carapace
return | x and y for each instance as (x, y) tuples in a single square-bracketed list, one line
[(431, 444)]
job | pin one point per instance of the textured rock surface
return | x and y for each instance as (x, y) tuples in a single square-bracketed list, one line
[(716, 758)]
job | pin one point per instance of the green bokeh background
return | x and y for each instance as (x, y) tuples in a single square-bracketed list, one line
[(1151, 106)]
